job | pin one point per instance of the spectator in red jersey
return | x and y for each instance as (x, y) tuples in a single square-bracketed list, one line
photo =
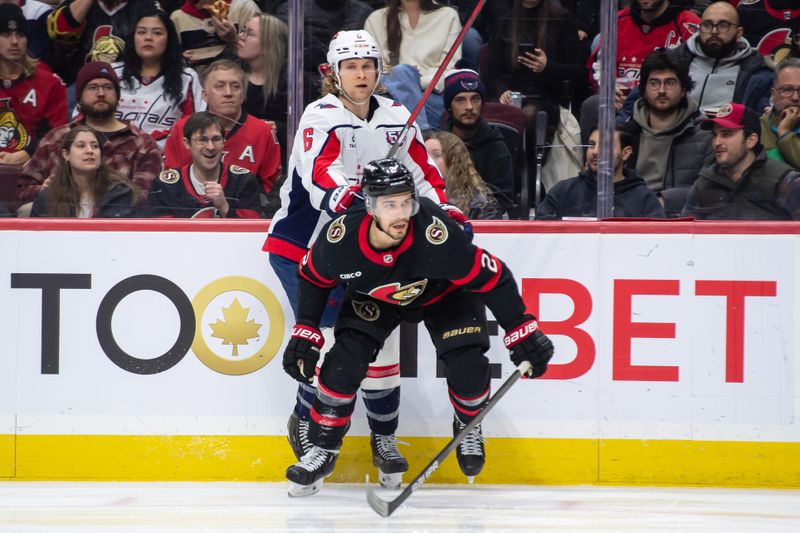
[(33, 100), (249, 142), (127, 150)]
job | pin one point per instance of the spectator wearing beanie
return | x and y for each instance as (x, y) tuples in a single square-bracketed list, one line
[(127, 150), (463, 100), (33, 100)]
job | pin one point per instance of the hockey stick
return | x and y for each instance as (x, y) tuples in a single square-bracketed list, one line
[(435, 79), (386, 508)]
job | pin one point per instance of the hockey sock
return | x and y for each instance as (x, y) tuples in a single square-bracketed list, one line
[(383, 408), (305, 397), (468, 405), (330, 417)]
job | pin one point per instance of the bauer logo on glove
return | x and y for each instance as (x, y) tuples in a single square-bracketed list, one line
[(526, 342)]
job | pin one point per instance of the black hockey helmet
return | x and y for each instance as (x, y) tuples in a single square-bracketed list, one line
[(384, 177)]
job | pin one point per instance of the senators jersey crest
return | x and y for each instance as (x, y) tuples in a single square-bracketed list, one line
[(336, 230), (397, 294), (170, 176), (13, 135), (436, 232)]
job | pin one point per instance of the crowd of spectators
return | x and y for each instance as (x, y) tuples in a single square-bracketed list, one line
[(99, 93)]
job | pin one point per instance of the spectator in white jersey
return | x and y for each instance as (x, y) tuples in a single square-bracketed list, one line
[(157, 89)]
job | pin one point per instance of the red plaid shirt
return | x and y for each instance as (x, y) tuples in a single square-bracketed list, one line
[(129, 152)]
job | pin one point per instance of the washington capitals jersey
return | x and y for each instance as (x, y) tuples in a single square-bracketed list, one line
[(251, 143), (330, 149), (769, 23), (173, 195), (146, 104), (29, 108), (434, 259)]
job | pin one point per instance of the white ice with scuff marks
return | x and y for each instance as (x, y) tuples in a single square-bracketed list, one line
[(36, 507)]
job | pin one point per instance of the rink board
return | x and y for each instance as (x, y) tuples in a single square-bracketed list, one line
[(151, 350)]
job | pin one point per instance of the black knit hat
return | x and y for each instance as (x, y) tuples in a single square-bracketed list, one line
[(12, 19)]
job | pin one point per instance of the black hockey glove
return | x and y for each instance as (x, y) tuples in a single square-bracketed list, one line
[(527, 343), (302, 353)]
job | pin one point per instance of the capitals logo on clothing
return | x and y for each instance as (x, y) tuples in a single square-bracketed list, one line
[(392, 136), (13, 135)]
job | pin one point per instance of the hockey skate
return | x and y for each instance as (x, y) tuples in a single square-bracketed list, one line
[(470, 452), (297, 430), (391, 465), (306, 477)]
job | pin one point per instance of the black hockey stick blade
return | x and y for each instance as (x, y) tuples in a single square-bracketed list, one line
[(386, 507)]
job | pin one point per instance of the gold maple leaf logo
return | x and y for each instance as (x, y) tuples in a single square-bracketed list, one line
[(235, 329)]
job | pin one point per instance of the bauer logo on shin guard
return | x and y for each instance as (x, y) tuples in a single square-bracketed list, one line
[(520, 332)]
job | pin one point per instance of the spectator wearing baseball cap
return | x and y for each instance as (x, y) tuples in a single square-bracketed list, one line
[(126, 149), (742, 183), (32, 99), (463, 99)]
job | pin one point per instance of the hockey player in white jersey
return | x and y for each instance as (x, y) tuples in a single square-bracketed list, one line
[(336, 137)]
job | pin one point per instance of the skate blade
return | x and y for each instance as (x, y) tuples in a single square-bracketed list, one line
[(390, 481), (297, 490), (471, 480)]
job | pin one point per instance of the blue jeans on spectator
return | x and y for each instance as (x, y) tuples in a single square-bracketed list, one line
[(403, 84), (470, 48), (286, 270)]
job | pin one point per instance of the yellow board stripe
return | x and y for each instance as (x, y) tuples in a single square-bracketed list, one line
[(510, 461)]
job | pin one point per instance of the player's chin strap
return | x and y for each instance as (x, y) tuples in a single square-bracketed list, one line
[(356, 102)]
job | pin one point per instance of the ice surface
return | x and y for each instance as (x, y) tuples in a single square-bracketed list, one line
[(264, 507)]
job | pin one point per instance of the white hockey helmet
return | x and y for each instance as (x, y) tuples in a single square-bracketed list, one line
[(353, 44)]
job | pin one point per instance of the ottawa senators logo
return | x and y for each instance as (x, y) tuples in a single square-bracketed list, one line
[(236, 169), (169, 176), (13, 135), (436, 233), (393, 293), (336, 230), (368, 311), (106, 46)]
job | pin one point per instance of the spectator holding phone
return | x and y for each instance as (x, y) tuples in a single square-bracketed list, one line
[(535, 52)]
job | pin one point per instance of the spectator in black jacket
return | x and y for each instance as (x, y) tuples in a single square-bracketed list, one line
[(577, 197), (463, 99)]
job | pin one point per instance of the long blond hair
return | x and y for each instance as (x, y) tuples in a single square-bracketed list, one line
[(462, 181), (274, 40)]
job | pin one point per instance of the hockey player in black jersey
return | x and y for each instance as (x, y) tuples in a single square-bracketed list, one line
[(206, 187), (402, 258)]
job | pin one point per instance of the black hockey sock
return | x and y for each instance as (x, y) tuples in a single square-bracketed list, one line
[(330, 417), (468, 405), (383, 408)]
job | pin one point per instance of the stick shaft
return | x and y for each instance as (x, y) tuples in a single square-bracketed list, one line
[(386, 508), (421, 104)]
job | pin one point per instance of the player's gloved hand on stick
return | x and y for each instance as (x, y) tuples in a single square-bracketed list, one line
[(302, 353), (342, 197), (459, 216), (526, 342)]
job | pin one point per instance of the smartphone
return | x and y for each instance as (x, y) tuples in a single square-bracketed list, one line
[(527, 47)]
